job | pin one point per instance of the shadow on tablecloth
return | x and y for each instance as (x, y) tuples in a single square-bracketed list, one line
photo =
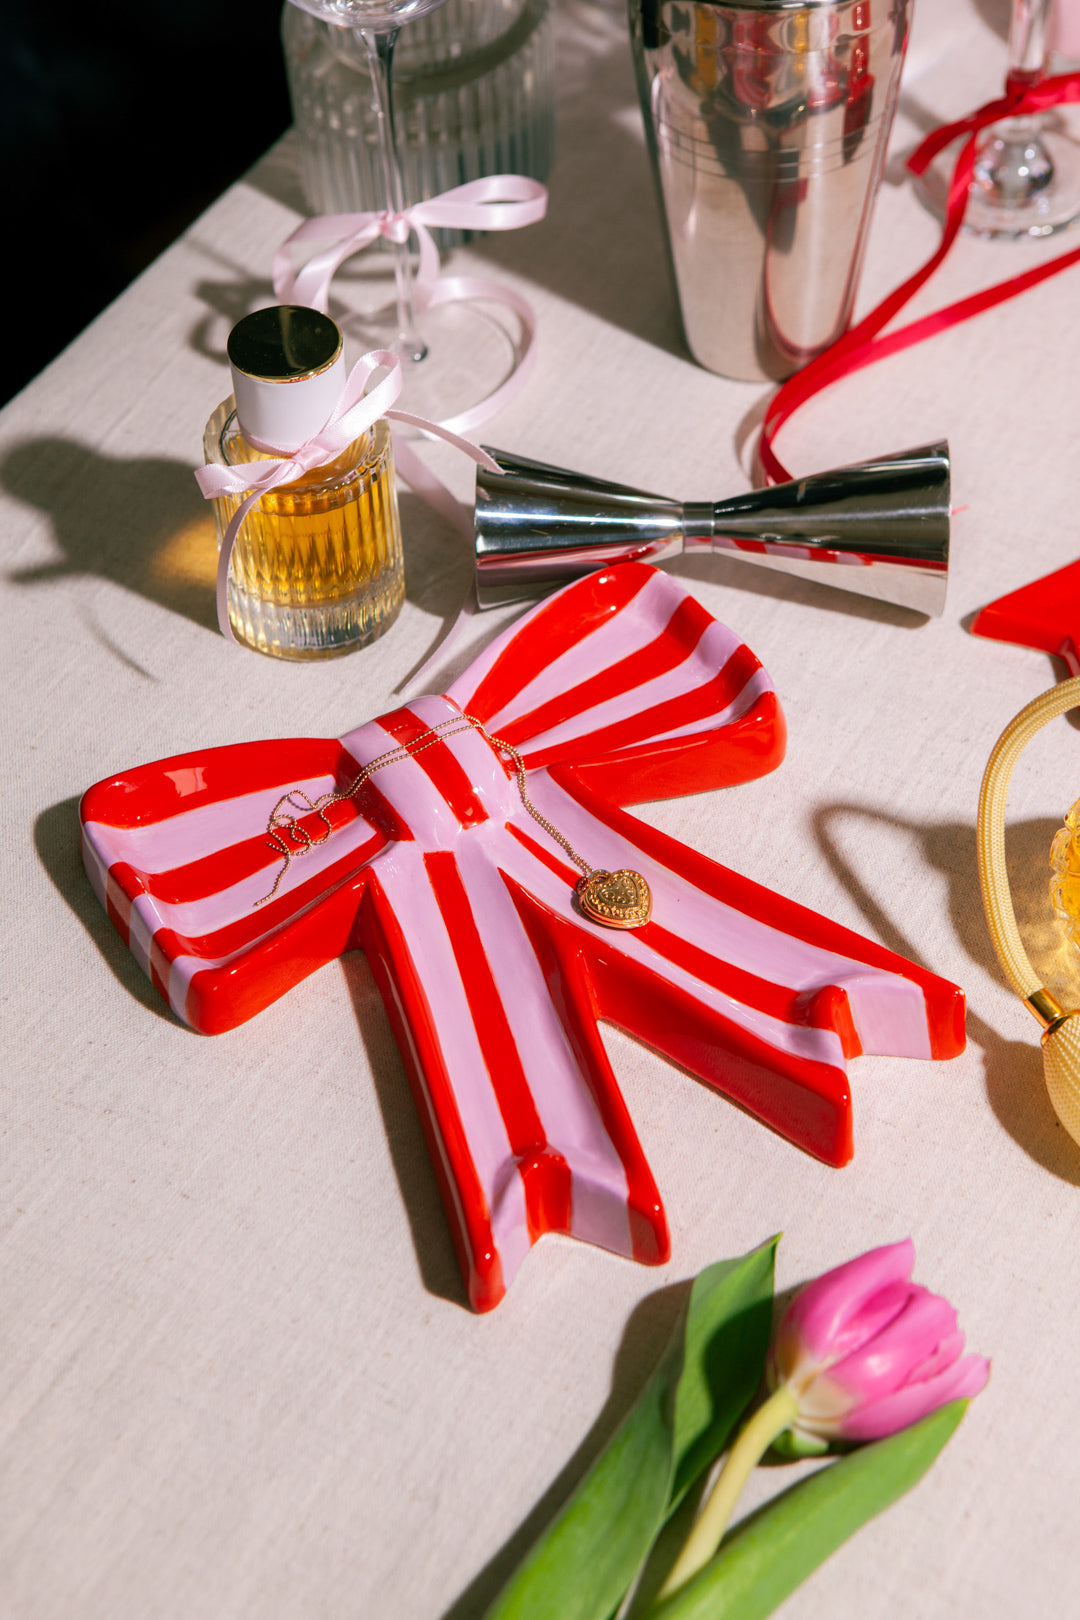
[(648, 1329), (1015, 1088), (422, 1203), (139, 523), (142, 524), (57, 841)]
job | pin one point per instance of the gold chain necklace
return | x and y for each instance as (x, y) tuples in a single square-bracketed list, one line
[(616, 899)]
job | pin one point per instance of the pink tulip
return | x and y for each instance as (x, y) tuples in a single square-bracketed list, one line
[(857, 1355), (865, 1351)]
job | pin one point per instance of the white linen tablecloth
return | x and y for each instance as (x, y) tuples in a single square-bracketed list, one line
[(239, 1378)]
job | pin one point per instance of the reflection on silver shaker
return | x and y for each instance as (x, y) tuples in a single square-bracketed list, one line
[(767, 124)]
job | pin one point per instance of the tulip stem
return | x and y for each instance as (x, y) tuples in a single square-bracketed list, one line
[(751, 1444)]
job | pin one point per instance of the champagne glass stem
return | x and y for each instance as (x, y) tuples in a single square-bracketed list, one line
[(380, 53), (1027, 39), (1013, 164)]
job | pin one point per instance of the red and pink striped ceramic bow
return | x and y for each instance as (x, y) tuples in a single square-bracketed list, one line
[(620, 688)]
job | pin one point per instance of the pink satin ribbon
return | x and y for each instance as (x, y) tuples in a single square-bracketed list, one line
[(355, 413), (498, 202), (861, 345)]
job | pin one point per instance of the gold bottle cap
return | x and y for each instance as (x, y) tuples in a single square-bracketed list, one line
[(288, 369), (284, 343)]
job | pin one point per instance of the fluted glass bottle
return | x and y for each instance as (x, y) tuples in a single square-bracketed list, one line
[(317, 565)]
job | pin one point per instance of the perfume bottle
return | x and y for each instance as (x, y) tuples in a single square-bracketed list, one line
[(316, 569)]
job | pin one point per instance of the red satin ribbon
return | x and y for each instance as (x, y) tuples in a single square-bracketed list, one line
[(860, 345)]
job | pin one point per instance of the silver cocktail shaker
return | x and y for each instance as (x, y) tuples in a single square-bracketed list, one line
[(767, 121)]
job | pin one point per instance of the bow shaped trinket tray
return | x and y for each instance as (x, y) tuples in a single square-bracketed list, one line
[(443, 869)]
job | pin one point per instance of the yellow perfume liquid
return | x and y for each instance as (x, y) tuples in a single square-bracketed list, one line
[(1065, 865), (317, 567)]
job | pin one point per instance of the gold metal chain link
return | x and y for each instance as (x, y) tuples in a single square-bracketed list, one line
[(284, 823)]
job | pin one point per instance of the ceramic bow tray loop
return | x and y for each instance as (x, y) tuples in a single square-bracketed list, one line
[(619, 689)]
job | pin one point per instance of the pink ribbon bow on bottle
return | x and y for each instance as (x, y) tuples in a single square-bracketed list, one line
[(355, 413), (620, 688)]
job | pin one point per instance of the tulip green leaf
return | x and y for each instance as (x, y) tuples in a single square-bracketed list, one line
[(727, 1337), (762, 1562), (589, 1557)]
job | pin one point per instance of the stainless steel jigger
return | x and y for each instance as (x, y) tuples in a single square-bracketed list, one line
[(880, 528), (767, 122)]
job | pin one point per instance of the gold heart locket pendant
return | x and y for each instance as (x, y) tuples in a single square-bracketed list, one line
[(616, 899)]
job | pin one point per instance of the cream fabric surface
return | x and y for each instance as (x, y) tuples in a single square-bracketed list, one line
[(239, 1378)]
